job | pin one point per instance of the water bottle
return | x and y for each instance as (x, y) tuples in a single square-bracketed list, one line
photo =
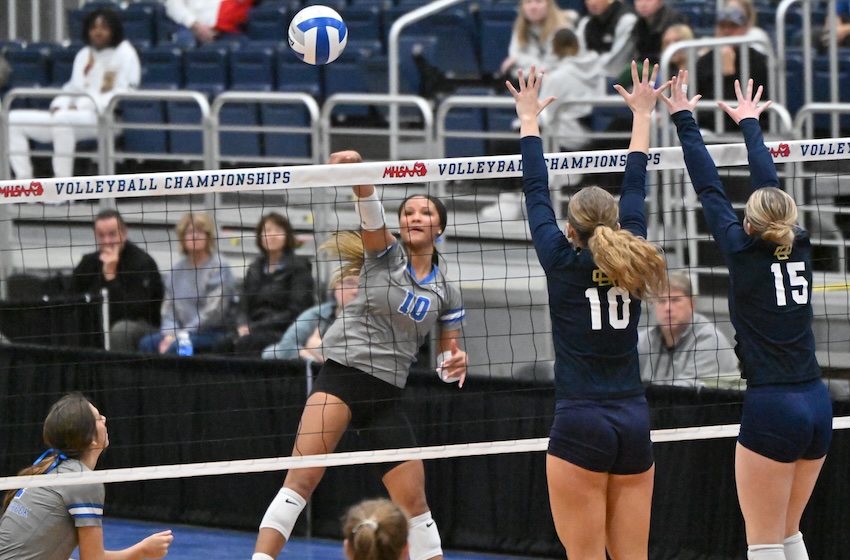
[(184, 344)]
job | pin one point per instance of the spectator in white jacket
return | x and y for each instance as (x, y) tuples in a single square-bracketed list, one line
[(199, 22), (106, 65)]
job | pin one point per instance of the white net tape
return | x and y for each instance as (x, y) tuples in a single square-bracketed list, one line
[(161, 472)]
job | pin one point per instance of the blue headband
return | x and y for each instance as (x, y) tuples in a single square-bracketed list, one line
[(59, 457)]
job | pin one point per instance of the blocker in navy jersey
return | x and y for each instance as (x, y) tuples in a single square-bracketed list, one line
[(594, 324), (770, 285)]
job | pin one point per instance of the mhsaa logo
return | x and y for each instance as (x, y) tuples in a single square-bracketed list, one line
[(417, 170), (15, 191)]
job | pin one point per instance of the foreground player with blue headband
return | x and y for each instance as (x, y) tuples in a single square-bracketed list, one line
[(599, 464), (786, 427)]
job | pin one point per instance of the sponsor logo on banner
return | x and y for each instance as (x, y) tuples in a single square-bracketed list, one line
[(418, 169), (783, 150), (15, 191)]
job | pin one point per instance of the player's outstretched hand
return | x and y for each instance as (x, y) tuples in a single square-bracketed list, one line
[(345, 156), (644, 93), (748, 105), (528, 102), (678, 100)]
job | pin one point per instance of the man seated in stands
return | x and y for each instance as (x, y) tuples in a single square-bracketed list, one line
[(685, 348), (106, 65), (199, 22), (130, 277)]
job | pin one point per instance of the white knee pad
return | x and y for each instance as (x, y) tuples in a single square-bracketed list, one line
[(283, 512), (424, 538), (261, 556), (766, 552), (795, 548)]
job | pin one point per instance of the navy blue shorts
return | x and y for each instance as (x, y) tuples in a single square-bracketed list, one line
[(610, 436), (376, 408), (787, 422)]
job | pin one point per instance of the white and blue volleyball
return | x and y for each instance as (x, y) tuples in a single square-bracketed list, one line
[(317, 34)]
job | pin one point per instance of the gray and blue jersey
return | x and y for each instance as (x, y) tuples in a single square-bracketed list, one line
[(381, 331), (41, 523)]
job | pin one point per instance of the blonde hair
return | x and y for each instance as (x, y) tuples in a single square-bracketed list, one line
[(556, 18), (200, 221), (375, 530), (346, 246), (629, 261), (772, 213)]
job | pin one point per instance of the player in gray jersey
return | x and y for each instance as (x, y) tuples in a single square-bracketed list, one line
[(48, 523), (369, 349)]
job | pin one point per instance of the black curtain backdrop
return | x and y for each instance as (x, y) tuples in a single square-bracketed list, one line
[(168, 410)]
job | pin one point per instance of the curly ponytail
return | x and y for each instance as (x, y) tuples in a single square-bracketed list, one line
[(772, 213), (630, 262)]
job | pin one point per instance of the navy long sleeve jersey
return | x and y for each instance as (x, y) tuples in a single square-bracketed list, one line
[(770, 285), (594, 324)]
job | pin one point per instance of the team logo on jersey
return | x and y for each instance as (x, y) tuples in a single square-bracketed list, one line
[(600, 278), (783, 252)]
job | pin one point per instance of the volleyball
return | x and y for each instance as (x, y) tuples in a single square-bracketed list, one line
[(318, 35)]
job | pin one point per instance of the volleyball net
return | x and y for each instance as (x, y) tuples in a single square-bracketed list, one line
[(218, 414)]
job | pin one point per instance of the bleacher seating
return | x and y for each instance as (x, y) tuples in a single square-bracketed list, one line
[(284, 145)]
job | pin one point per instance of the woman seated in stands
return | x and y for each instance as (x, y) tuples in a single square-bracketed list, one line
[(303, 339), (278, 287), (106, 65), (531, 39), (198, 291)]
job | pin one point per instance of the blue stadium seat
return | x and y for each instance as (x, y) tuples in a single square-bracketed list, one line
[(364, 23), (162, 67), (140, 24), (188, 142), (821, 77), (268, 22), (144, 141), (344, 76), (285, 145), (465, 119), (62, 65), (456, 50), (252, 68), (239, 144), (31, 67), (794, 81), (495, 31), (295, 75), (205, 69)]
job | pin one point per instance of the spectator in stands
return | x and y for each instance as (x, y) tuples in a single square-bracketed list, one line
[(106, 65), (607, 31), (199, 22), (531, 40), (51, 521), (842, 28), (278, 286), (571, 75), (130, 277), (732, 21), (198, 291), (375, 530), (654, 18), (674, 34), (303, 338), (753, 30), (684, 348)]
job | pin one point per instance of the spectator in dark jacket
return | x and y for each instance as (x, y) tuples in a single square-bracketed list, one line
[(654, 17), (278, 287), (131, 278)]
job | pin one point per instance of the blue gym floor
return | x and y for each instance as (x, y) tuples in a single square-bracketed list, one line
[(197, 543)]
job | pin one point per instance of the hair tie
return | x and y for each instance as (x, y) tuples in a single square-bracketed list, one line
[(367, 523), (59, 457)]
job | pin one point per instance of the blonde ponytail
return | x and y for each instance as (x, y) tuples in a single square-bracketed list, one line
[(629, 261), (375, 530), (346, 246), (772, 214)]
